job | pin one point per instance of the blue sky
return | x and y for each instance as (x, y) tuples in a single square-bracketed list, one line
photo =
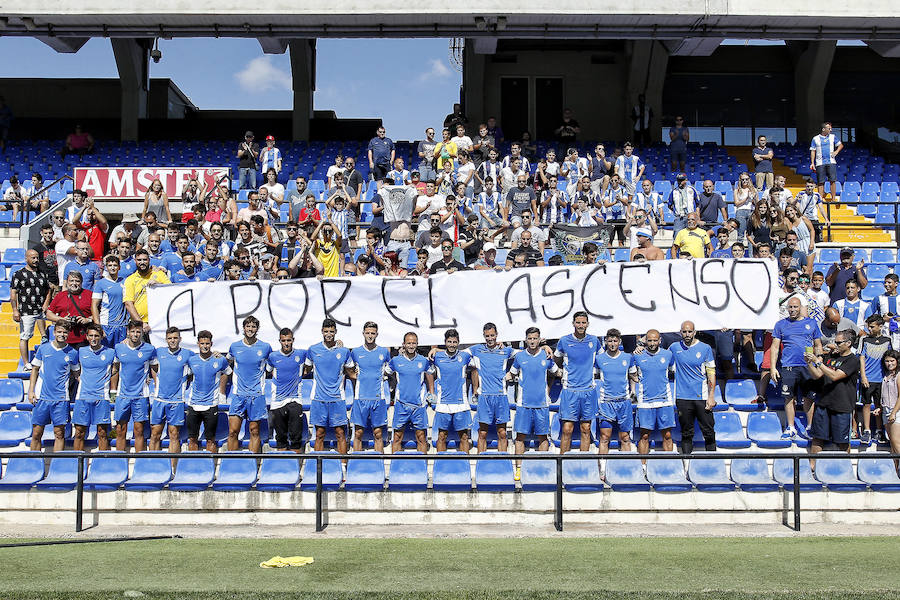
[(410, 84)]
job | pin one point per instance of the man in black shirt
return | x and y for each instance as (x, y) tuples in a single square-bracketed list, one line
[(46, 250), (533, 257), (447, 262), (29, 295), (569, 129), (247, 154), (834, 405)]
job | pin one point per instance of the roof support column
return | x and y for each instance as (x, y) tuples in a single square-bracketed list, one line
[(812, 65), (303, 81), (134, 78), (646, 75)]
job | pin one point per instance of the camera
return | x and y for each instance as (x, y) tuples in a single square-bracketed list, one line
[(156, 55)]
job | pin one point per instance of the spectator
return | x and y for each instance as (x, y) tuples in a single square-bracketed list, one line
[(303, 203), (433, 249), (89, 269), (584, 214), (421, 268), (531, 256), (810, 205), (46, 249), (342, 190), (465, 175), (29, 296), (14, 198), (78, 142), (872, 349), (495, 130), (641, 116), (509, 175), (591, 254), (274, 190), (487, 259), (456, 118), (327, 244), (682, 201), (65, 249), (573, 169), (630, 169), (745, 198), (547, 167), (57, 220), (778, 195), (489, 169), (711, 205), (639, 220), (647, 200), (802, 228), (193, 193), (381, 155), (78, 198), (518, 199), (763, 156), (823, 151), (6, 119), (569, 129), (645, 246), (614, 206), (488, 205), (445, 151), (600, 169), (889, 404), (73, 306), (95, 227), (128, 229), (398, 175), (841, 272), (425, 150), (692, 239), (337, 166), (759, 230), (515, 151), (679, 136), (554, 203), (38, 198), (270, 157), (254, 207), (446, 179), (247, 154), (268, 204), (392, 267), (851, 305), (156, 200), (529, 148), (482, 145), (304, 264), (839, 373), (463, 142), (723, 249)]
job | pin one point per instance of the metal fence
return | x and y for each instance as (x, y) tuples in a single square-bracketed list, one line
[(319, 457)]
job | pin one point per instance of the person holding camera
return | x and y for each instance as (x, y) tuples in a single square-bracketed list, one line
[(72, 306), (247, 153)]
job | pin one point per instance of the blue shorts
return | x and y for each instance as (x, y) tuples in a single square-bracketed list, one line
[(167, 412), (830, 426), (532, 421), (795, 382), (50, 411), (252, 408), (493, 409), (617, 411), (132, 409), (327, 414), (661, 417), (369, 413), (578, 405), (89, 412), (459, 421), (415, 416), (113, 334)]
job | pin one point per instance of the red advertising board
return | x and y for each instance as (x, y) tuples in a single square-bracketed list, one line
[(130, 183)]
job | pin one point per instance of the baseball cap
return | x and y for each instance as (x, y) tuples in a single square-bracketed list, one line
[(270, 138), (267, 256), (414, 174), (680, 177), (129, 218), (644, 232), (489, 246), (846, 251)]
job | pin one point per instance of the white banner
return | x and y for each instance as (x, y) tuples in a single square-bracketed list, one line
[(632, 297), (131, 183)]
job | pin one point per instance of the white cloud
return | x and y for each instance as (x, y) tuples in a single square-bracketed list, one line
[(261, 75), (436, 70)]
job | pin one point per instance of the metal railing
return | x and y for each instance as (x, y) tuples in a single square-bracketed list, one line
[(320, 491)]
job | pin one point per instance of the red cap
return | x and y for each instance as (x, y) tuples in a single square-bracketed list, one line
[(270, 138)]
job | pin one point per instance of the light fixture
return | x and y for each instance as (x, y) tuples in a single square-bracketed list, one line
[(28, 22), (480, 23), (501, 23), (156, 53)]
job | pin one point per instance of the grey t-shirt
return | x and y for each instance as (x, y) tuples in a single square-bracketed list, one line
[(518, 200), (829, 332), (426, 148), (398, 202)]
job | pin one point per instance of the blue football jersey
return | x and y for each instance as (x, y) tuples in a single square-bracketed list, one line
[(578, 360), (249, 367), (451, 377), (492, 367), (205, 381), (173, 373), (532, 371), (613, 375), (134, 368), (369, 372), (410, 378), (96, 369), (653, 378), (112, 308), (287, 372), (690, 369), (328, 371), (56, 364)]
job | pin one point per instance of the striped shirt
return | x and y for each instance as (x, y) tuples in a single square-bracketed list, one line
[(824, 147)]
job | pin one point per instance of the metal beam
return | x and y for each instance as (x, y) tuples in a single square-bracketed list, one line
[(693, 46), (485, 45), (273, 45), (64, 45), (886, 49)]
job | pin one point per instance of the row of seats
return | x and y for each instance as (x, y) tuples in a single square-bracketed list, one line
[(154, 472)]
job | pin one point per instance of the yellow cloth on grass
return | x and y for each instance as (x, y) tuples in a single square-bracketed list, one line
[(286, 561)]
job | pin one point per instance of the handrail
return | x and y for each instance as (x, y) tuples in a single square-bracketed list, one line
[(321, 516), (23, 213)]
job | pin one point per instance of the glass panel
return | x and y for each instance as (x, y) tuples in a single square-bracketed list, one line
[(738, 136)]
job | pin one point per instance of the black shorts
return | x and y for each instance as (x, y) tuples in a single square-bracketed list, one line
[(826, 173), (870, 395), (290, 427), (380, 171), (209, 419)]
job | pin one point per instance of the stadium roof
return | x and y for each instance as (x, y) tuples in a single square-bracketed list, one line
[(873, 21)]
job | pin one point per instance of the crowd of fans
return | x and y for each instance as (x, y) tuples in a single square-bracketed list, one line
[(451, 212)]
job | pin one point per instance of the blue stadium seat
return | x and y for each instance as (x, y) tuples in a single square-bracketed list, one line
[(838, 475), (62, 475), (876, 273), (741, 394), (279, 475), (150, 474), (332, 472), (15, 427), (829, 255), (875, 287), (4, 291), (581, 476), (494, 476), (364, 475), (667, 475), (193, 474), (879, 473), (106, 473), (13, 256), (409, 475), (451, 476), (752, 475), (23, 471), (622, 254), (235, 474), (730, 431), (860, 254), (783, 473), (538, 475), (626, 475), (764, 428), (887, 256), (710, 475), (555, 427), (11, 393)]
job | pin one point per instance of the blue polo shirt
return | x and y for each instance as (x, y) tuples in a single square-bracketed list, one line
[(288, 371), (653, 378), (410, 378), (112, 308), (180, 277), (126, 268), (90, 273), (690, 369), (134, 367), (96, 369), (369, 372), (613, 375), (55, 364), (578, 360), (492, 367), (173, 373), (532, 371), (381, 150), (206, 372), (249, 367), (796, 337), (451, 377), (328, 371)]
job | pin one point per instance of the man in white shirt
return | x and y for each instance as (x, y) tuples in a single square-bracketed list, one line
[(809, 203), (462, 141), (777, 194), (65, 248), (823, 151), (630, 169)]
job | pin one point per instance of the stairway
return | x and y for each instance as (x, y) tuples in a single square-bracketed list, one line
[(9, 340), (853, 229)]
